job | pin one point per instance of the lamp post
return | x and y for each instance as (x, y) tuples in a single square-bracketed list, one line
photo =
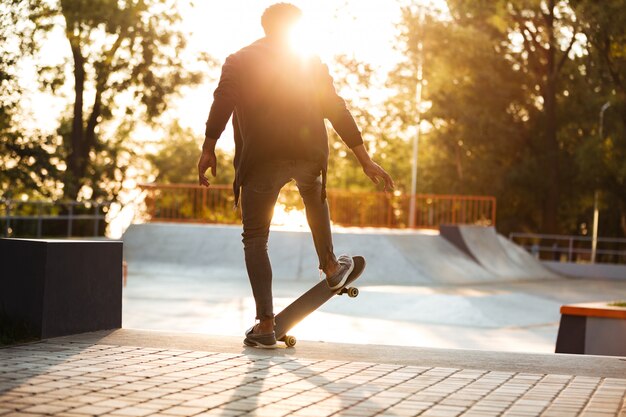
[(594, 233), (418, 118)]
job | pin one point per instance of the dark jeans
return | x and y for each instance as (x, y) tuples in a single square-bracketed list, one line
[(258, 198)]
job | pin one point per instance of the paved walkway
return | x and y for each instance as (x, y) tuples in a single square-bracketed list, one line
[(78, 376)]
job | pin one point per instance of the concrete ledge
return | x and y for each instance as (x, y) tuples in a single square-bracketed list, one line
[(61, 287), (588, 365), (592, 328), (594, 310)]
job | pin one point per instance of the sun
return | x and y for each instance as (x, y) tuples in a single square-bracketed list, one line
[(303, 39)]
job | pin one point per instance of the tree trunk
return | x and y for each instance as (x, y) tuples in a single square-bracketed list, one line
[(90, 130), (76, 160), (459, 165)]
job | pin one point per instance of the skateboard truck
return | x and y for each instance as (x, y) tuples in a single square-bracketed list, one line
[(351, 291)]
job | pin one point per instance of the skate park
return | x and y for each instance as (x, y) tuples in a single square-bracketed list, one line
[(471, 152), (441, 326), (419, 288)]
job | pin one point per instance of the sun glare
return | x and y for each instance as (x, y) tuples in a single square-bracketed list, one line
[(289, 219), (303, 39)]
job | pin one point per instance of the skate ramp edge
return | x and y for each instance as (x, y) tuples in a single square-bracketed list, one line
[(495, 253)]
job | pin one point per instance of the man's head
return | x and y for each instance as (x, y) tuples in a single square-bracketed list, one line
[(279, 18)]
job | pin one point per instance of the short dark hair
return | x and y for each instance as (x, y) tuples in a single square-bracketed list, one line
[(279, 17)]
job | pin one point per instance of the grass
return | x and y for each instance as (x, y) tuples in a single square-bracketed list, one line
[(618, 304), (12, 332)]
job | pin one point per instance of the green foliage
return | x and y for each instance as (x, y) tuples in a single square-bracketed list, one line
[(618, 304), (27, 167), (602, 158), (515, 94), (116, 48), (26, 162), (176, 160)]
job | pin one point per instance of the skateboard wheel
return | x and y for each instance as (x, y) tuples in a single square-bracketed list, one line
[(353, 292), (290, 341)]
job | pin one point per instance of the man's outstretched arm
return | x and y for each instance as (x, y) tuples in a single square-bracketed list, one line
[(225, 98)]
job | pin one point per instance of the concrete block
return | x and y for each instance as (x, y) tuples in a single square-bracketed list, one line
[(61, 287), (592, 329), (571, 336)]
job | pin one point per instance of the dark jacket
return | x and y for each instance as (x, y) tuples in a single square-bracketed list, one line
[(280, 101)]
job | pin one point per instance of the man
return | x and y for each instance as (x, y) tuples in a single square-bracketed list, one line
[(280, 101)]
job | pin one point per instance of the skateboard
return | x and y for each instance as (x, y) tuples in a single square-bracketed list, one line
[(311, 301)]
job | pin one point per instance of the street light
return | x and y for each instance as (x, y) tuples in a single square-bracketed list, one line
[(601, 121), (418, 118), (594, 235)]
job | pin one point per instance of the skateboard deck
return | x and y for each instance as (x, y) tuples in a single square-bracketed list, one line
[(311, 301)]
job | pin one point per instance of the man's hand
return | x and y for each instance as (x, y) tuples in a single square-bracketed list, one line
[(207, 160), (375, 172)]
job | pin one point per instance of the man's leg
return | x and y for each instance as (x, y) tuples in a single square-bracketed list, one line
[(309, 183), (258, 198)]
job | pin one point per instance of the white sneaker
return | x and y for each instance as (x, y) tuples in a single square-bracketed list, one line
[(338, 279)]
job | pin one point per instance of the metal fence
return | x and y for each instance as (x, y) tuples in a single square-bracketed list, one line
[(52, 218), (192, 203), (569, 248)]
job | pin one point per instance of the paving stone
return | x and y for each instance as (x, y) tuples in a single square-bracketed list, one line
[(92, 410), (44, 409), (82, 379), (133, 411), (182, 411)]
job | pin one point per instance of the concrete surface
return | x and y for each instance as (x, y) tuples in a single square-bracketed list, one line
[(512, 316), (591, 271), (102, 375)]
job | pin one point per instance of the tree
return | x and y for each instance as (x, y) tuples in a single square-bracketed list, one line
[(602, 156), (538, 37), (477, 124), (26, 162), (126, 58)]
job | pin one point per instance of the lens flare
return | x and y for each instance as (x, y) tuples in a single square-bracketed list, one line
[(303, 39)]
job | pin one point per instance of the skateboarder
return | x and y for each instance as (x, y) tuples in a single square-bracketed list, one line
[(280, 100)]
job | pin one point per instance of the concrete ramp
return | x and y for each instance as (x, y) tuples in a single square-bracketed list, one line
[(393, 256), (495, 253)]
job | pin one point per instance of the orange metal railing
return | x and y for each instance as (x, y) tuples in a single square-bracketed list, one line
[(192, 203)]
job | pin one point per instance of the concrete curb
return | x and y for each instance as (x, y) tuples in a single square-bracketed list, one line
[(564, 364)]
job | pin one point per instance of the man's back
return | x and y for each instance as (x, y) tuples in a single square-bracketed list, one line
[(280, 99)]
